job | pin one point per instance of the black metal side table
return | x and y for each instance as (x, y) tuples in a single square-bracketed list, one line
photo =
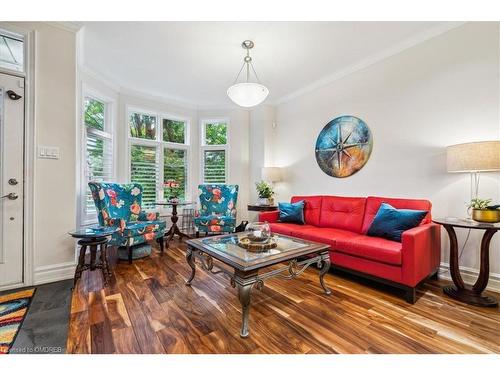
[(95, 239), (469, 294)]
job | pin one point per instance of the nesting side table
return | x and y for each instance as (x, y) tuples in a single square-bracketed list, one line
[(95, 239)]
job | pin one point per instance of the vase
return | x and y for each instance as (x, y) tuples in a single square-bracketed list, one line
[(263, 201), (258, 232), (486, 215)]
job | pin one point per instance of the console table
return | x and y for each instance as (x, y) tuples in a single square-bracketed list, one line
[(460, 291)]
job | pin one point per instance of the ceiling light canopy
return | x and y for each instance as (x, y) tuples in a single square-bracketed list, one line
[(247, 94)]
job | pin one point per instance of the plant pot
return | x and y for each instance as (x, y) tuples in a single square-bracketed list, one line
[(264, 201), (486, 215)]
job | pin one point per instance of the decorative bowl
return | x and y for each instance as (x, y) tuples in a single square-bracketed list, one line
[(258, 232), (486, 215)]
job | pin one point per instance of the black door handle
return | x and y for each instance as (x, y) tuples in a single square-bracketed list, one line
[(13, 95)]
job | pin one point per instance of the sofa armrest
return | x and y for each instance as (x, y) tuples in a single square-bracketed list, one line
[(148, 216), (269, 216), (421, 252)]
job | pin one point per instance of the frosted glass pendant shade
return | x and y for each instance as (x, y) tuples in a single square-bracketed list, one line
[(247, 94)]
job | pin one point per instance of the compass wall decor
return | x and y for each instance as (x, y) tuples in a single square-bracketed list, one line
[(344, 146)]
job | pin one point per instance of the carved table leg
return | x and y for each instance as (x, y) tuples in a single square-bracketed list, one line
[(459, 290), (81, 262), (192, 264), (244, 292), (325, 267)]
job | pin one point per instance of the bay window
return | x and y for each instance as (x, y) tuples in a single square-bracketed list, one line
[(98, 161), (159, 150), (214, 151)]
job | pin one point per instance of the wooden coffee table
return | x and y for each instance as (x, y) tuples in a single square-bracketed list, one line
[(246, 269)]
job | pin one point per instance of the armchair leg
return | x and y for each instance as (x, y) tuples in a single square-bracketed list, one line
[(129, 251), (161, 243), (197, 234)]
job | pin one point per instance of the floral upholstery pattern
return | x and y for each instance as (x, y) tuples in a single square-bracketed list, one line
[(218, 208), (120, 205)]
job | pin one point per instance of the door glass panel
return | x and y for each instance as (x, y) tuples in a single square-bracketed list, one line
[(11, 53), (2, 255)]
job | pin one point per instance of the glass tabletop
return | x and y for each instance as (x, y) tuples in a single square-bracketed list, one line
[(92, 232), (229, 245), (465, 223)]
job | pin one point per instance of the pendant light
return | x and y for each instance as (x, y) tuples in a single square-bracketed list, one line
[(247, 94)]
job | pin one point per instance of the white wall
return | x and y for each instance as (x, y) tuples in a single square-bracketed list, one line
[(442, 92), (54, 180)]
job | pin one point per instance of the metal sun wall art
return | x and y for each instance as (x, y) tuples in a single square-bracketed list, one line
[(344, 146)]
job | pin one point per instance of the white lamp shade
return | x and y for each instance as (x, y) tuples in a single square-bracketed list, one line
[(474, 157), (247, 94), (271, 174)]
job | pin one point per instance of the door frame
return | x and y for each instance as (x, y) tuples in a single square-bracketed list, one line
[(29, 147)]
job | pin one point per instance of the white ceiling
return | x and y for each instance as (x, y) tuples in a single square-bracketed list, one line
[(195, 62)]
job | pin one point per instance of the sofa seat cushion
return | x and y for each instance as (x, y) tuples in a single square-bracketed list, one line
[(287, 228), (373, 248), (138, 228), (209, 220), (327, 236)]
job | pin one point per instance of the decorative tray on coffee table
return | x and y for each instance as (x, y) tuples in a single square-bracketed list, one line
[(257, 247)]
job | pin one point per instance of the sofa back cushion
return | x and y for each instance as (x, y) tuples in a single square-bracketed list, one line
[(342, 212), (312, 208), (373, 205)]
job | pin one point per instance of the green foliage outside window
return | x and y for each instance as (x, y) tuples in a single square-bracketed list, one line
[(142, 126), (144, 171), (216, 133), (94, 114), (175, 168), (173, 131)]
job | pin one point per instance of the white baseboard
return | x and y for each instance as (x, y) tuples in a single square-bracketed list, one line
[(469, 276), (54, 272)]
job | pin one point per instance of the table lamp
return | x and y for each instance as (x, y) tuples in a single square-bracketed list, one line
[(271, 174), (473, 158)]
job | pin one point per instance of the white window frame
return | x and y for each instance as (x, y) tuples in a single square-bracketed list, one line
[(204, 147), (109, 133), (160, 146), (22, 38)]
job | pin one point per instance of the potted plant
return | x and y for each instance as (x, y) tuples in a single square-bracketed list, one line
[(483, 212), (265, 192)]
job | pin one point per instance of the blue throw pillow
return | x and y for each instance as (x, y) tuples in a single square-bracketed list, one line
[(292, 212), (390, 222)]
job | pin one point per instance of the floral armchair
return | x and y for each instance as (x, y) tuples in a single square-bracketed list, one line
[(119, 205), (218, 209)]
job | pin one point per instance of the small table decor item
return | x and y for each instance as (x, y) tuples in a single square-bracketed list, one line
[(258, 232), (482, 212), (247, 269), (173, 186), (257, 247), (265, 192), (96, 239), (344, 146), (460, 291)]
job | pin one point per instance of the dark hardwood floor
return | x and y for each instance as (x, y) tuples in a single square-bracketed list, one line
[(146, 308)]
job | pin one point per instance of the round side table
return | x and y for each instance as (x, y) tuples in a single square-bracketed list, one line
[(460, 291), (261, 207), (95, 239)]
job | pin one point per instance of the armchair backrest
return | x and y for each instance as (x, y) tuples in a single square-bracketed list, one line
[(218, 199), (116, 201)]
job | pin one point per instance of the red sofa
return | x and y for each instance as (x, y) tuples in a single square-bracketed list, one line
[(342, 223)]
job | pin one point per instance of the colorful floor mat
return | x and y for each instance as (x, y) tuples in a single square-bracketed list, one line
[(13, 309)]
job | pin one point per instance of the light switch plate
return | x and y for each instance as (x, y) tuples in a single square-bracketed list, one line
[(46, 152)]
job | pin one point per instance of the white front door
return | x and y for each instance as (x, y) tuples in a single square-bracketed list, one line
[(11, 180)]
